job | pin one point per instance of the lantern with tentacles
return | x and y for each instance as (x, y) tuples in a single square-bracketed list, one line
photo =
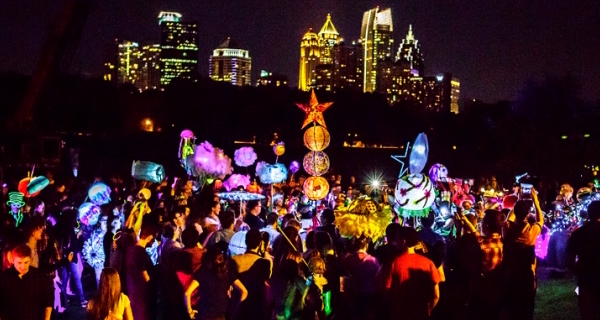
[(363, 217), (316, 188), (414, 194), (316, 138)]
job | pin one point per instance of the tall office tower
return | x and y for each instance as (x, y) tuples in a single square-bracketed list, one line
[(454, 95), (309, 59), (394, 81), (111, 62), (150, 68), (129, 62), (268, 79), (409, 52), (229, 63), (324, 77), (347, 66), (179, 47), (376, 38), (328, 37)]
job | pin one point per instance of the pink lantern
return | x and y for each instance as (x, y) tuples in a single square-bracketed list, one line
[(244, 156), (236, 180)]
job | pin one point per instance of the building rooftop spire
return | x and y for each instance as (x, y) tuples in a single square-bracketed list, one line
[(328, 27), (410, 36)]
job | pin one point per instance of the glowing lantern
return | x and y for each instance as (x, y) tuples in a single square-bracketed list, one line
[(244, 156), (32, 187), (89, 213), (316, 188), (415, 195), (438, 172), (316, 138), (418, 154), (271, 173), (294, 166), (279, 149), (99, 194), (316, 163), (148, 171)]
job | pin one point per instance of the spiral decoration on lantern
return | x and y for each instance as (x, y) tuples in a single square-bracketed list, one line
[(316, 163)]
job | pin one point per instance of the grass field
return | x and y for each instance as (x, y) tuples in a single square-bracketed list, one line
[(556, 298)]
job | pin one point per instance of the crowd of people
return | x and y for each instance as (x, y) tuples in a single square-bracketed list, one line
[(168, 251)]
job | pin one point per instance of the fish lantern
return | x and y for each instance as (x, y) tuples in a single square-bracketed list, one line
[(418, 154), (316, 163), (244, 156), (294, 166), (99, 194), (31, 187), (438, 172), (271, 173), (316, 138), (414, 194), (316, 188), (89, 213), (279, 149), (186, 144), (236, 180), (148, 171)]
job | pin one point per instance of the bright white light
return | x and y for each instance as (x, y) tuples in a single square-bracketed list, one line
[(420, 149), (376, 183)]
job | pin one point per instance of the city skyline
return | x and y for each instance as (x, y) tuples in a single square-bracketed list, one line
[(493, 48)]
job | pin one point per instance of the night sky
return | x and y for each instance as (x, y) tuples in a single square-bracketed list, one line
[(493, 47)]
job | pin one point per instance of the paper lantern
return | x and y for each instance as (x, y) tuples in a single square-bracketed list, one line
[(279, 149), (237, 244), (316, 138), (89, 213), (314, 110), (32, 187), (418, 154), (365, 217), (148, 171), (316, 163), (209, 162), (294, 166), (244, 156), (415, 195), (316, 188), (271, 173), (236, 180), (438, 172), (99, 194)]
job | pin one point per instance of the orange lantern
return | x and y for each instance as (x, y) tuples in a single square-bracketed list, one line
[(316, 138), (316, 188)]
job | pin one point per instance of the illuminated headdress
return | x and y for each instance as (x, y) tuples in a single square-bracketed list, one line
[(15, 198)]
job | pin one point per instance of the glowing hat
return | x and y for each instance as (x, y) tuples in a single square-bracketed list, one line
[(15, 198)]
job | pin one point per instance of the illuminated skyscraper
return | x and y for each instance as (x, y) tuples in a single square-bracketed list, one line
[(150, 68), (376, 38), (347, 66), (409, 52), (310, 53), (229, 63), (454, 95), (179, 47), (328, 37), (128, 70)]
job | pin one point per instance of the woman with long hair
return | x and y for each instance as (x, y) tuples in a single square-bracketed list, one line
[(110, 303), (214, 282)]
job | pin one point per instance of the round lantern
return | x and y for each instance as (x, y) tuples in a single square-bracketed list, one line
[(99, 194), (244, 156), (279, 149), (316, 163), (414, 194), (316, 138), (316, 188), (89, 213), (438, 172)]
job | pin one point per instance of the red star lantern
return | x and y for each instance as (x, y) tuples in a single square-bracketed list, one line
[(314, 110)]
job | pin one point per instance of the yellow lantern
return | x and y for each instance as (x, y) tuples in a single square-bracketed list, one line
[(279, 149), (316, 163), (316, 138), (316, 188)]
